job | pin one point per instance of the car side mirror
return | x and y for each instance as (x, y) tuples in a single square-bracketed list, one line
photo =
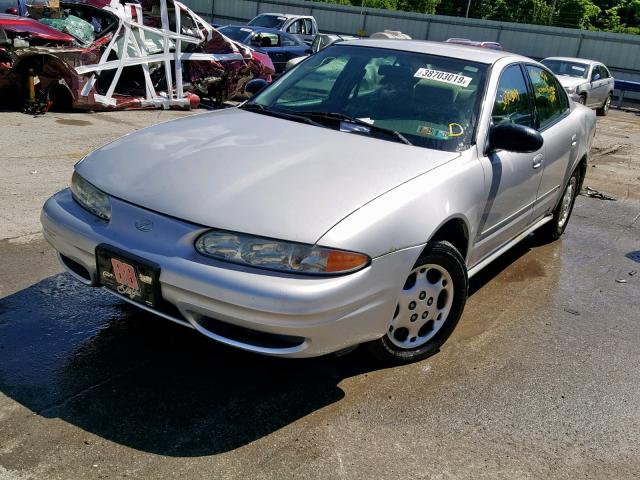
[(11, 11), (515, 138), (596, 77), (255, 86)]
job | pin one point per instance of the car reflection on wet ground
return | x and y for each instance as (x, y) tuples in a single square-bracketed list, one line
[(539, 380)]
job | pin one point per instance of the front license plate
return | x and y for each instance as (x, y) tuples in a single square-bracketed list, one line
[(129, 275)]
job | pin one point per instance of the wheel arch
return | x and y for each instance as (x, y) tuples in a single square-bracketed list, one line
[(454, 230), (49, 65), (582, 168)]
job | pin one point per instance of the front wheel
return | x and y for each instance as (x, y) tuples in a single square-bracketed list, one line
[(429, 306), (555, 228), (604, 110)]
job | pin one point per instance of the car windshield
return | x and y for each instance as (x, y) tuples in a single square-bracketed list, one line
[(239, 34), (269, 21), (426, 100), (569, 69)]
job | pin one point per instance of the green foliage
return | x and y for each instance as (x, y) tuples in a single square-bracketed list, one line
[(620, 16)]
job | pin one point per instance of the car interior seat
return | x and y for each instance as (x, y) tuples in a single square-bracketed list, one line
[(265, 42)]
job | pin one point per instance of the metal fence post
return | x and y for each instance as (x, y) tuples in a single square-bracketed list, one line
[(580, 45), (426, 35)]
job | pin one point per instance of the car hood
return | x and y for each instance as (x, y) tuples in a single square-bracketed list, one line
[(248, 172), (22, 25), (570, 82)]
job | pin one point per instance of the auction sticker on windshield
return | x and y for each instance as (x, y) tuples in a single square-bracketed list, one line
[(444, 77)]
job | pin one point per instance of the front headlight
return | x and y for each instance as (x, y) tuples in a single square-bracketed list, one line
[(90, 198), (278, 255), (571, 89)]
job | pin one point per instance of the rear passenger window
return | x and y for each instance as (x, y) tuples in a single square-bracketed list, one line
[(513, 101), (308, 27), (551, 101), (287, 42), (295, 27)]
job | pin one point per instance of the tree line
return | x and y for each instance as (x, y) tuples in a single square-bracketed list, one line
[(620, 16)]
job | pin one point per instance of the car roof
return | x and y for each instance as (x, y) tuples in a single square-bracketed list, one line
[(453, 50), (286, 15), (254, 29), (571, 59)]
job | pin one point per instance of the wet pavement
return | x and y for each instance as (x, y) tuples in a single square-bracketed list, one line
[(539, 380)]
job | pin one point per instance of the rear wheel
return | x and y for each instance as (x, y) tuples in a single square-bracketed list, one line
[(428, 309), (602, 111), (555, 228)]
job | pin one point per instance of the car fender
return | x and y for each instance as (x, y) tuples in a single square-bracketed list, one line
[(411, 213)]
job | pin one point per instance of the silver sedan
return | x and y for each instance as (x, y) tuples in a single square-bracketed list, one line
[(586, 81), (347, 203)]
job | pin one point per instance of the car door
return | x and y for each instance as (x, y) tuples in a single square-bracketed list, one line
[(270, 43), (310, 31), (293, 47), (559, 133), (608, 80), (598, 87), (512, 179)]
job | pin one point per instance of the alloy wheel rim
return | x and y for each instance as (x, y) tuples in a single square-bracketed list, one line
[(423, 307), (566, 202)]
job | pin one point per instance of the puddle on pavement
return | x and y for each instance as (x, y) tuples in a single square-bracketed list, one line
[(75, 123), (524, 269), (635, 256)]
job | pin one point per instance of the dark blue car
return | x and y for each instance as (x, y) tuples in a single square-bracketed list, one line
[(13, 7), (280, 46)]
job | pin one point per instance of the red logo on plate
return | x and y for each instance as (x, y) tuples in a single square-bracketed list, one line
[(125, 274)]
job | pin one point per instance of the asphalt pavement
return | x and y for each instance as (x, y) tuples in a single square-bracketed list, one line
[(541, 379)]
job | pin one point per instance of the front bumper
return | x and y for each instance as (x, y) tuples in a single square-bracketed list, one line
[(229, 303)]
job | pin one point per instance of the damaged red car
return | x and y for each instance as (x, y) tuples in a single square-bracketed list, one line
[(102, 55)]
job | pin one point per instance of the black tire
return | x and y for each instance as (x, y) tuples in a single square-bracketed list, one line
[(604, 109), (445, 256), (556, 227), (582, 99)]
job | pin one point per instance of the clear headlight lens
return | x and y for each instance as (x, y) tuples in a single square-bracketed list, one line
[(278, 255), (571, 89), (90, 198)]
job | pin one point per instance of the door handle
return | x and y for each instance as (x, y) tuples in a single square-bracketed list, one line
[(537, 161), (574, 142)]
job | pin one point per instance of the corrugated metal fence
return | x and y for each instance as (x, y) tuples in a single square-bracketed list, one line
[(618, 51)]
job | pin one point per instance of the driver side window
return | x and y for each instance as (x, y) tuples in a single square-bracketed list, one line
[(513, 100)]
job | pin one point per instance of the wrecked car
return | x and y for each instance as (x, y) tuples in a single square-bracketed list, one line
[(157, 54)]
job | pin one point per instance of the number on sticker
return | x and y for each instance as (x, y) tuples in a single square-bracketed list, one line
[(125, 274), (444, 77)]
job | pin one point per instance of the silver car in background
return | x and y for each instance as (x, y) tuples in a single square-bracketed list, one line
[(348, 202), (587, 82)]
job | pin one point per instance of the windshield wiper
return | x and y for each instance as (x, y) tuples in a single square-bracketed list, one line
[(357, 121), (256, 107)]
